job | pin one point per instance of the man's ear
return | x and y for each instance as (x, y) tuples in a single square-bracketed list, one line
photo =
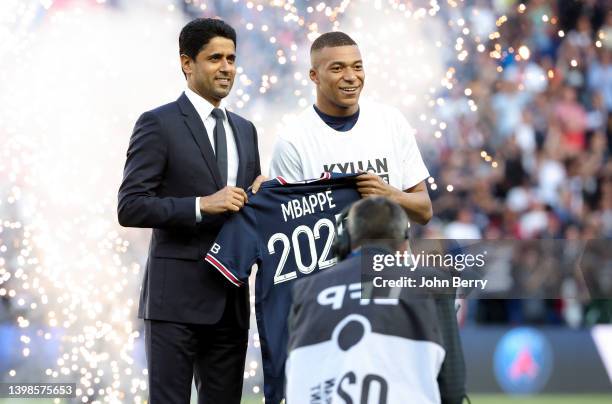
[(186, 64), (313, 75)]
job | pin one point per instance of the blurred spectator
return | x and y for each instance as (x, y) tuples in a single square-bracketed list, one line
[(507, 105), (600, 77), (572, 119), (606, 31), (462, 227), (551, 177)]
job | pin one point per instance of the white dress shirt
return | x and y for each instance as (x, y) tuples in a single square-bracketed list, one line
[(204, 109)]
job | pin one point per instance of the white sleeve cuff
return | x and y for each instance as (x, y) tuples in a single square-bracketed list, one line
[(197, 208)]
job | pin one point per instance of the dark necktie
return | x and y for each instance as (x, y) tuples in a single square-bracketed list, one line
[(220, 144)]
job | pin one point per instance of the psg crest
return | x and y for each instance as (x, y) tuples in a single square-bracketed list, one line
[(523, 361)]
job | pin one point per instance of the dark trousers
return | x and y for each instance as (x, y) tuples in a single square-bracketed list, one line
[(212, 353)]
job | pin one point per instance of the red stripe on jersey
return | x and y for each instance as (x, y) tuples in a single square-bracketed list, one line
[(281, 180), (224, 271)]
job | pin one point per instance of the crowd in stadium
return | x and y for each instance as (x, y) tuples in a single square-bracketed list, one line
[(535, 161)]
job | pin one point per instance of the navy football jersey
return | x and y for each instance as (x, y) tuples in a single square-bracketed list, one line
[(288, 230)]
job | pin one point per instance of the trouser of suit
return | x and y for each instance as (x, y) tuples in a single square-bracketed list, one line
[(212, 354)]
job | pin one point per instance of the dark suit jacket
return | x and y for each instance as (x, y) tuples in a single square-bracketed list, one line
[(170, 162)]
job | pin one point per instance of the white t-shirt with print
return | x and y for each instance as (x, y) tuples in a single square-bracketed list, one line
[(381, 141)]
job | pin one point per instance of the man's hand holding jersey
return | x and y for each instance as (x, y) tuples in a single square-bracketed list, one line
[(414, 200), (228, 199)]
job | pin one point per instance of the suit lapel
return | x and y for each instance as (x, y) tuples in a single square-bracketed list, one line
[(240, 177), (198, 131)]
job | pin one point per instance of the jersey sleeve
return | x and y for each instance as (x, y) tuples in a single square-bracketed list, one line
[(236, 249), (413, 167), (286, 162)]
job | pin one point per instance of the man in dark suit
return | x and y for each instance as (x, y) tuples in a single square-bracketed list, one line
[(188, 163)]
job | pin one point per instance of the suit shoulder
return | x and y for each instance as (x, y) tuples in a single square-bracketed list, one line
[(239, 120), (162, 111), (157, 121)]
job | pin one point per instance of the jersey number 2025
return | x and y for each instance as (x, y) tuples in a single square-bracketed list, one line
[(311, 235)]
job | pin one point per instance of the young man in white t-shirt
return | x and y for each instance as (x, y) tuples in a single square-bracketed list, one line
[(340, 134)]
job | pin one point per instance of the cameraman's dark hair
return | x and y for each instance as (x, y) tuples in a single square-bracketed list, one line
[(379, 220), (197, 33), (332, 40)]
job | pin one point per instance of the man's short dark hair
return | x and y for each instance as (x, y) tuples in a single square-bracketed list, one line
[(332, 40), (197, 33), (377, 219)]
